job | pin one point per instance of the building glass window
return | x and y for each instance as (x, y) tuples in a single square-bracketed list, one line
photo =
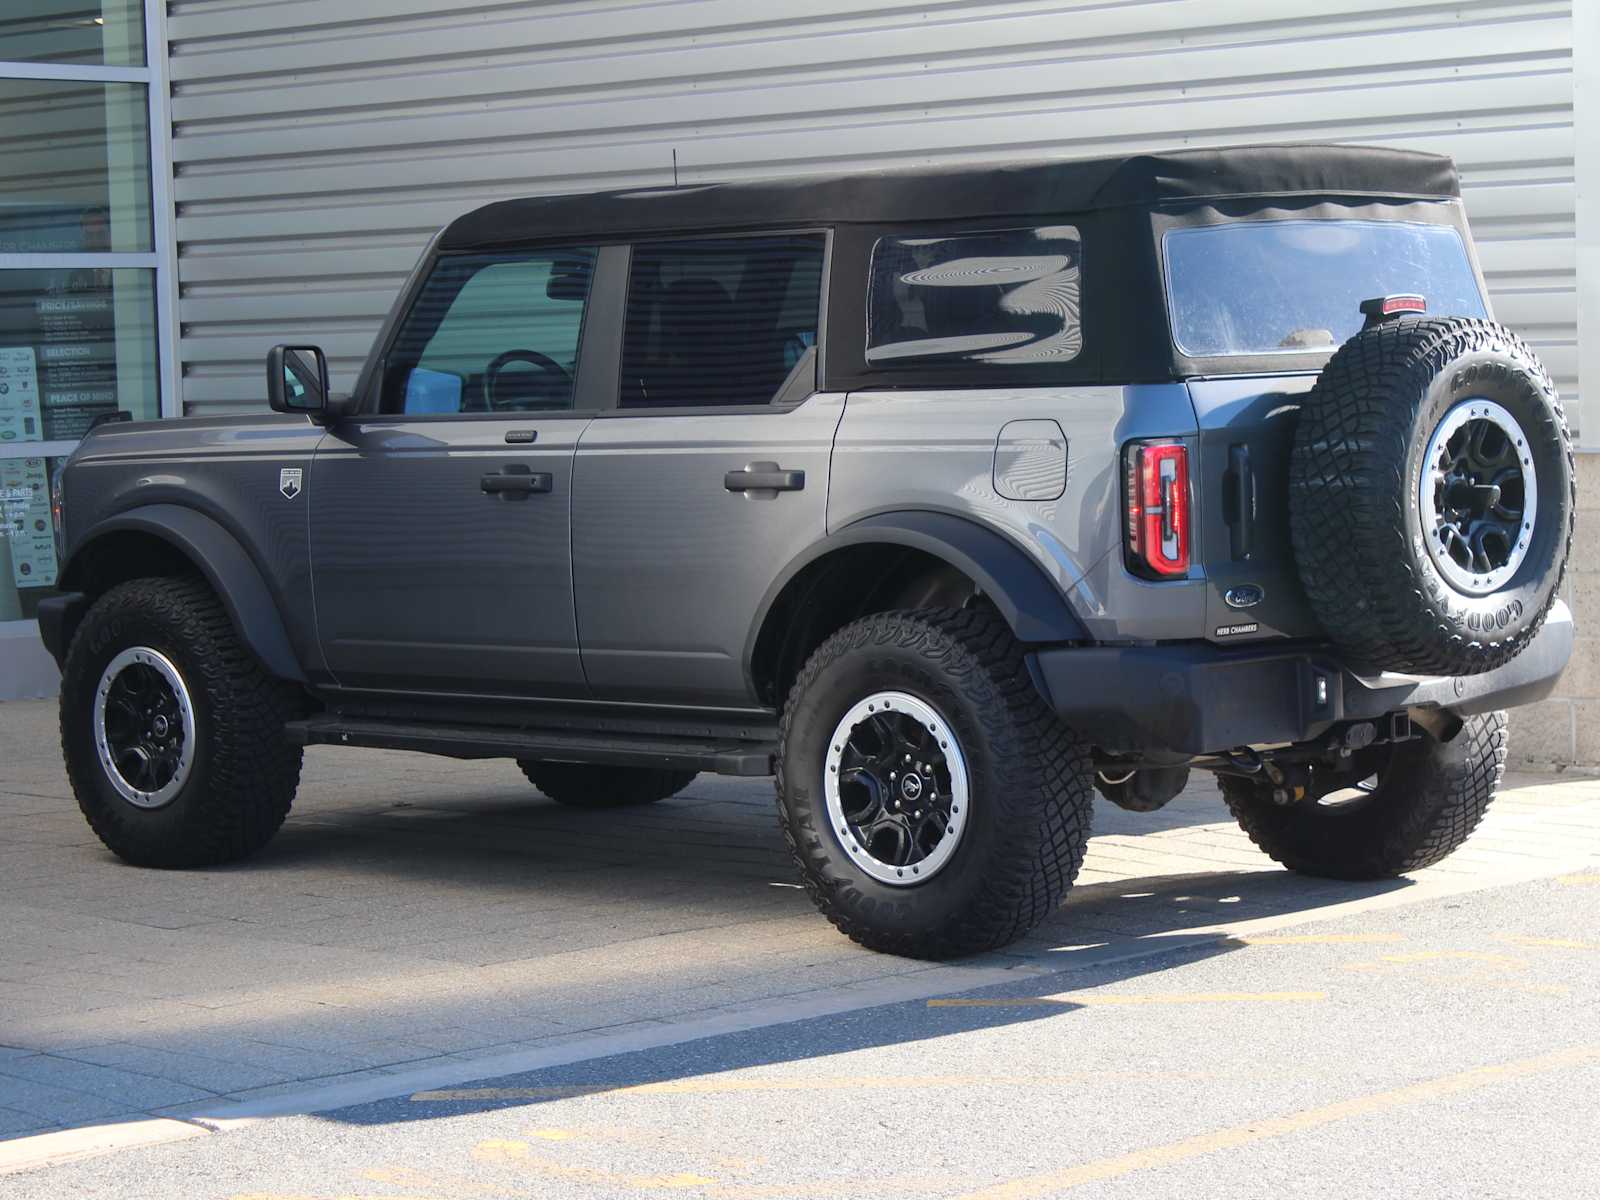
[(77, 348), (77, 167), (83, 320), (85, 32)]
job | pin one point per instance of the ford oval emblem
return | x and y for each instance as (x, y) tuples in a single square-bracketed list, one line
[(1246, 595)]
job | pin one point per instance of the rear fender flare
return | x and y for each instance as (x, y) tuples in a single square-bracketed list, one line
[(1029, 601)]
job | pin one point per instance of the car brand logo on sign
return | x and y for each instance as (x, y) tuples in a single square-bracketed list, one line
[(289, 482)]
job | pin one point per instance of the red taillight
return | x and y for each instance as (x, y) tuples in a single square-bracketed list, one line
[(1157, 492)]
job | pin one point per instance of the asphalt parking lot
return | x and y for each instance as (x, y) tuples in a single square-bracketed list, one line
[(421, 924), (1446, 1048)]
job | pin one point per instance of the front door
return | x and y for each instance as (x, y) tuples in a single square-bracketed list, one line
[(711, 475), (440, 523)]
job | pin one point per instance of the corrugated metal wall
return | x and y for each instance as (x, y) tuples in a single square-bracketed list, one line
[(317, 144)]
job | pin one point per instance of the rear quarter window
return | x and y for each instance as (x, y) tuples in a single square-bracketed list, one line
[(1000, 297), (1292, 287)]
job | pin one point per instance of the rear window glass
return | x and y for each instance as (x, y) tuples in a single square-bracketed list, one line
[(1288, 287), (1003, 296)]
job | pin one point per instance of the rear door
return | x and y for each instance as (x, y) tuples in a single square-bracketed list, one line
[(1256, 307), (711, 475), (440, 523)]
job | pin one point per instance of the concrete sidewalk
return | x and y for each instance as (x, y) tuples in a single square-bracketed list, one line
[(422, 913)]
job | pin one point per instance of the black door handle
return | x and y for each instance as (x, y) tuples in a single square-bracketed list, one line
[(764, 477), (516, 482)]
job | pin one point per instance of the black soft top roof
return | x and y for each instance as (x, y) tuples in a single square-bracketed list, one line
[(968, 190)]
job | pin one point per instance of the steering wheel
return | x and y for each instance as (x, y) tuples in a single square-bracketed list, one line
[(491, 373)]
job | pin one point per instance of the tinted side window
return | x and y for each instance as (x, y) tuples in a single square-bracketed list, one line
[(1003, 296), (722, 322), (492, 333)]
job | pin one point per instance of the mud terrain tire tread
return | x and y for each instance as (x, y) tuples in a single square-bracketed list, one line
[(245, 772), (1349, 488), (1032, 770), (1424, 810)]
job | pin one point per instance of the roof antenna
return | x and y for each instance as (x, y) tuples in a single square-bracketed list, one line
[(674, 166)]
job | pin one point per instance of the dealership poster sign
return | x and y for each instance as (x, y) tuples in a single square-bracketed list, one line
[(77, 350), (19, 396), (25, 521)]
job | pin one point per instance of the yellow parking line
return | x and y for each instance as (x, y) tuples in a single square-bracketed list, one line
[(1582, 879), (1552, 943), (1477, 956), (1094, 1000), (1273, 1127)]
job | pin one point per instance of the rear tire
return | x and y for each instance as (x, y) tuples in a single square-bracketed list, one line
[(1429, 797), (952, 704), (165, 648), (595, 785)]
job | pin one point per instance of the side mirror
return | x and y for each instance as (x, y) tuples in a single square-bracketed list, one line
[(297, 380)]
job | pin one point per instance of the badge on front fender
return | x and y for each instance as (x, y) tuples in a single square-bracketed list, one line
[(289, 482)]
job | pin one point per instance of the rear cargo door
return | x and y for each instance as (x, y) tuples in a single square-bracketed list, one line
[(1246, 432)]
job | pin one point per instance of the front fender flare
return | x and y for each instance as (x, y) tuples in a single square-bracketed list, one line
[(223, 562)]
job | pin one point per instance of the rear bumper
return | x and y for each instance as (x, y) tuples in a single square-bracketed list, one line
[(58, 621), (1196, 698)]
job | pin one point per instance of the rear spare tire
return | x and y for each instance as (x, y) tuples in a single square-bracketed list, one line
[(1431, 496)]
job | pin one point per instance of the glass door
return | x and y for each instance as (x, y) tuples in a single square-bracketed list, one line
[(85, 319)]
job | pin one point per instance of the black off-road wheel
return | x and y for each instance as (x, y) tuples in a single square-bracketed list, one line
[(171, 730), (1419, 802), (595, 785), (1432, 496), (934, 804)]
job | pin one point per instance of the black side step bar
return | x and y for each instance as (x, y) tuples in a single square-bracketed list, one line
[(723, 757)]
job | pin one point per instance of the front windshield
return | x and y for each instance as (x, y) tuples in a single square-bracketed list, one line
[(1291, 287)]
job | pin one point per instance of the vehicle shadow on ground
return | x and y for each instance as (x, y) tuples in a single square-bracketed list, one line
[(703, 1065)]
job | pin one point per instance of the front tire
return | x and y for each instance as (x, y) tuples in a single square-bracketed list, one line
[(941, 695), (595, 785), (1425, 800), (172, 732)]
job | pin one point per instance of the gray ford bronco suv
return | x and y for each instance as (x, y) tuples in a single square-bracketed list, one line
[(949, 496)]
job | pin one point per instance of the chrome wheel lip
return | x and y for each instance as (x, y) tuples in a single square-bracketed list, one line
[(960, 789), (1432, 478), (163, 666)]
